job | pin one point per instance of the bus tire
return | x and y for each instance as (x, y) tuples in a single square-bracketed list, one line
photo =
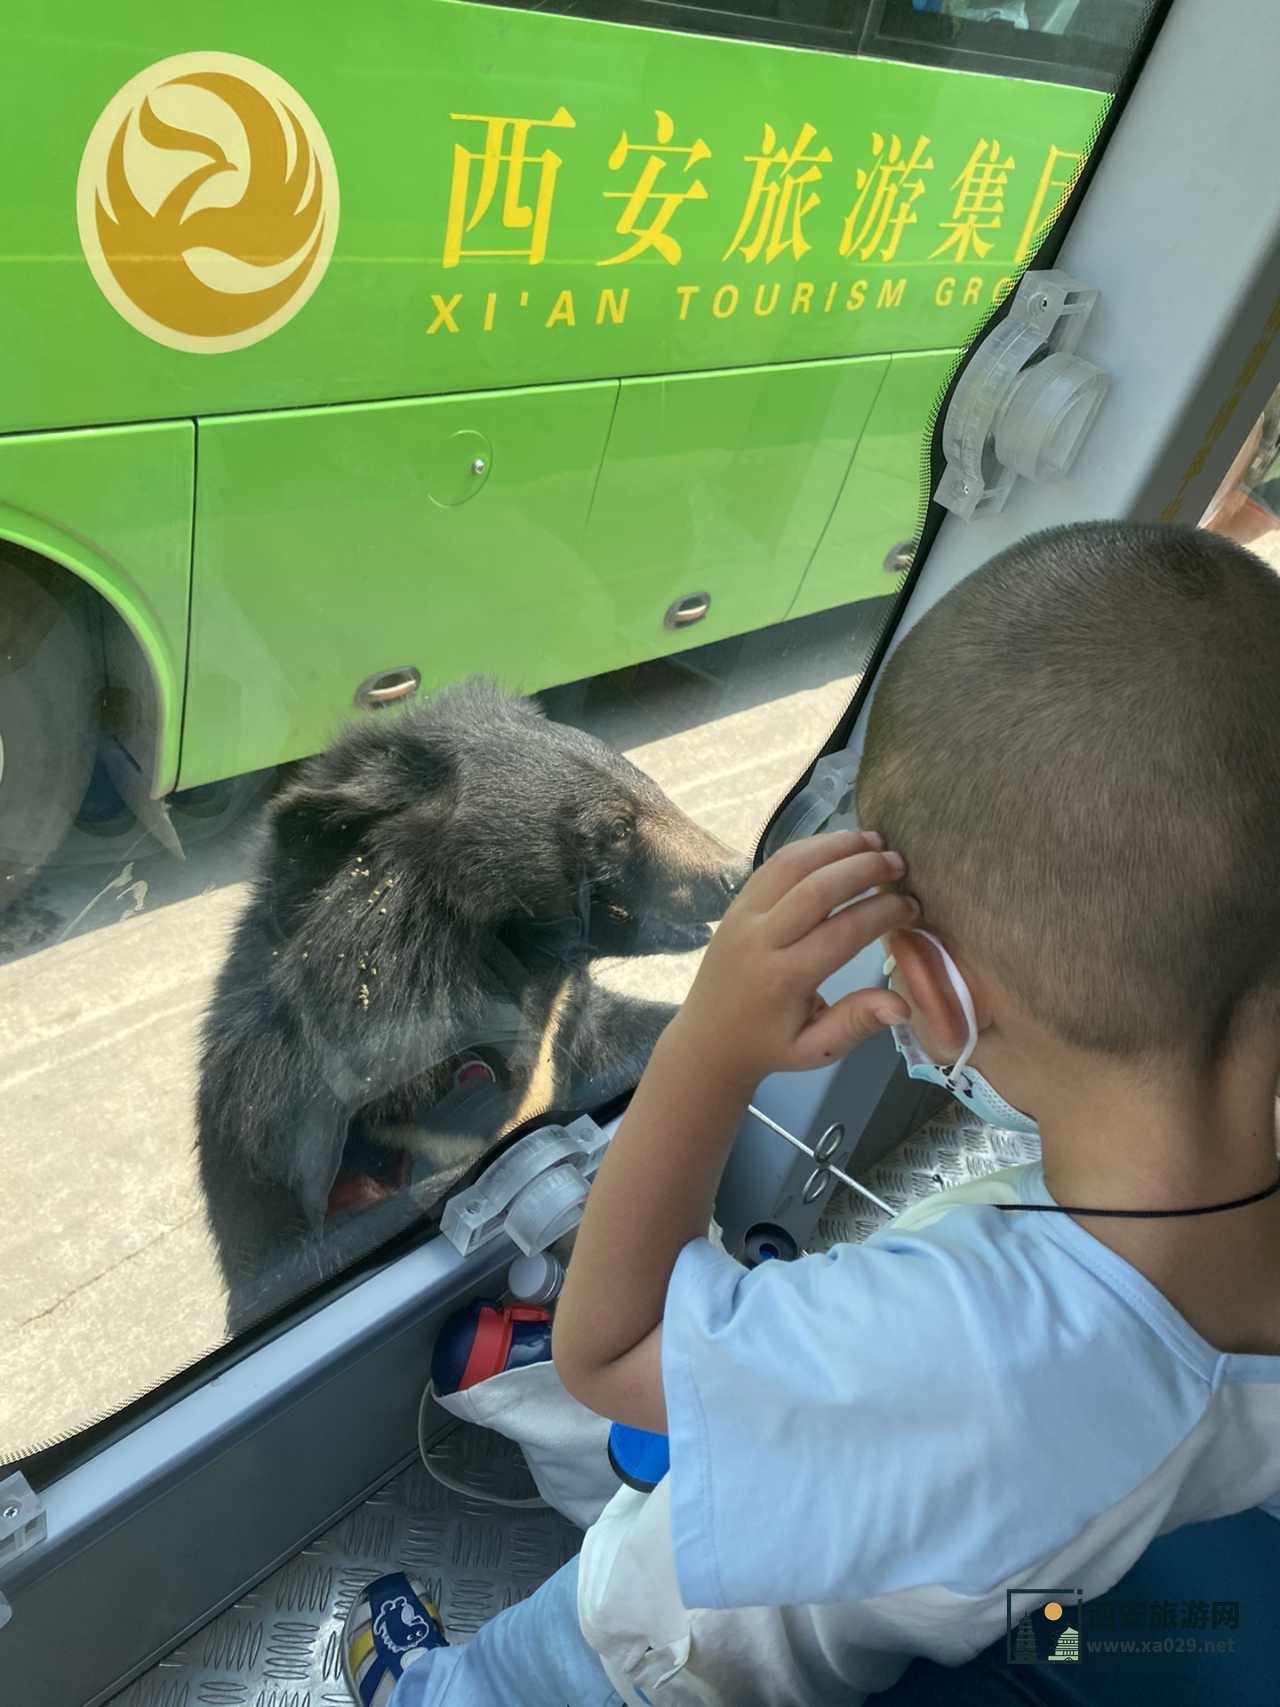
[(50, 692)]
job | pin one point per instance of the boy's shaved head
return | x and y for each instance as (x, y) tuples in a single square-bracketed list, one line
[(1078, 752)]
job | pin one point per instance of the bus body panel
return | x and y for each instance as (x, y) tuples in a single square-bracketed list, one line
[(718, 484), (506, 198), (881, 504), (333, 544)]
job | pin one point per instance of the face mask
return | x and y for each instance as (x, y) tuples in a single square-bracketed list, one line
[(978, 1095), (965, 1083)]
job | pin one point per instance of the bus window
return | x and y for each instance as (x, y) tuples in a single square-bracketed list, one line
[(832, 25), (452, 476), (1085, 41)]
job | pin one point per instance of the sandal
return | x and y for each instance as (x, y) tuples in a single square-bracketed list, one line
[(389, 1628)]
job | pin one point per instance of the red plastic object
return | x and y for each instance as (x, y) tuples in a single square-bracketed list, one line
[(492, 1343)]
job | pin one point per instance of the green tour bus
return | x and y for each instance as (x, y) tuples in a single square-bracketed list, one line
[(349, 354)]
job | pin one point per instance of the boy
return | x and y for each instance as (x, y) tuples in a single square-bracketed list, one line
[(1074, 758)]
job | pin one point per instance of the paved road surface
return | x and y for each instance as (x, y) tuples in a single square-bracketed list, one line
[(107, 1280)]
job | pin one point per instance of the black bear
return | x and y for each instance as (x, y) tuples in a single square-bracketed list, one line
[(412, 975)]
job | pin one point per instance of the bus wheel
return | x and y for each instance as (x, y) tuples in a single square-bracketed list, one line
[(50, 689)]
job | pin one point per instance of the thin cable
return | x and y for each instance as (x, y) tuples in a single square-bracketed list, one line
[(1148, 1214), (814, 1157), (454, 1483)]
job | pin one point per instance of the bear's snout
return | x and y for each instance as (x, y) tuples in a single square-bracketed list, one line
[(691, 875), (733, 877)]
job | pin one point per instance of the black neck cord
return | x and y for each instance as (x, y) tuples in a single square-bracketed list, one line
[(1148, 1214)]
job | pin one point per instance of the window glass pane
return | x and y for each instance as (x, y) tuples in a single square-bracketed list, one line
[(595, 362), (831, 24), (1084, 41)]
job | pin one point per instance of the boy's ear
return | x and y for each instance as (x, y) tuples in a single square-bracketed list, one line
[(921, 977)]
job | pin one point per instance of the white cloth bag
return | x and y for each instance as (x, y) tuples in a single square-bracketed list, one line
[(565, 1445)]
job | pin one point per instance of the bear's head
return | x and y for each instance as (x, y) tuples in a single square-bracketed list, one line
[(507, 818)]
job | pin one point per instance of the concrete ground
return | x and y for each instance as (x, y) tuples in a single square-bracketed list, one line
[(108, 1284)]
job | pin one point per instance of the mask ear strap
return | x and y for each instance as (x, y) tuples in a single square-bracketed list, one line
[(962, 996)]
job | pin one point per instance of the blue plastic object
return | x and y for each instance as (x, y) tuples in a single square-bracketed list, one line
[(485, 1339), (641, 1459)]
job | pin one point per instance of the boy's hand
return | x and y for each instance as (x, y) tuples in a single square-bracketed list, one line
[(754, 1007)]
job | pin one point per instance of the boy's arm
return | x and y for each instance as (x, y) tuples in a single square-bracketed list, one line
[(654, 1192), (753, 1009)]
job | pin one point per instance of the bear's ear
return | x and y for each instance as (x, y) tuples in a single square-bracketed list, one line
[(347, 802), (317, 828), (313, 835)]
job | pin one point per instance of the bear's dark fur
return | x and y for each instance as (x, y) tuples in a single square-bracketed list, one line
[(436, 883)]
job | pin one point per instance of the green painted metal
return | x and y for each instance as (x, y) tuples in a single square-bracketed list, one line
[(882, 502), (718, 484), (463, 534), (776, 160), (402, 270), (330, 544), (113, 505)]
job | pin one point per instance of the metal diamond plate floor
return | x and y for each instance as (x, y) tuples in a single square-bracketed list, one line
[(278, 1646)]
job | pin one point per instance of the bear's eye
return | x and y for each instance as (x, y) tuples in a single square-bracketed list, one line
[(618, 832)]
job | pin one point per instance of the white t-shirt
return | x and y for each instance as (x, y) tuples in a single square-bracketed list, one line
[(870, 1446)]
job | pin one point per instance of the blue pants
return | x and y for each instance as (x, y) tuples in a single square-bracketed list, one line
[(1232, 1558), (532, 1655)]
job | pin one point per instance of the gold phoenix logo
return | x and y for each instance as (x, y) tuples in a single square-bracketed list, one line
[(207, 202)]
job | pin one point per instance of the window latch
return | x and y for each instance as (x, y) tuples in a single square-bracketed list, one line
[(1023, 405), (533, 1193)]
